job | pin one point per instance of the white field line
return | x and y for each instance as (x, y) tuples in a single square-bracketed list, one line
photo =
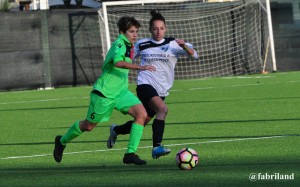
[(230, 86), (148, 147), (75, 98), (43, 100), (178, 90)]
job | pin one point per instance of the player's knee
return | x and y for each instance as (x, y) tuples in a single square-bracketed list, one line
[(87, 126), (163, 110), (141, 116)]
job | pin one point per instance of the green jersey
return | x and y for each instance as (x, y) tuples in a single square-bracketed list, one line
[(114, 80)]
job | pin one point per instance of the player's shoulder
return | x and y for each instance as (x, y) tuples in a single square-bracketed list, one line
[(119, 41), (170, 39), (172, 42), (144, 43), (143, 40)]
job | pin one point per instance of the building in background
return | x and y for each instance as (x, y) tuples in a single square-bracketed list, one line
[(286, 29), (72, 36)]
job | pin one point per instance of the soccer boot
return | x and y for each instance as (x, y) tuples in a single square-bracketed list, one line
[(159, 151), (131, 158), (58, 149), (112, 137)]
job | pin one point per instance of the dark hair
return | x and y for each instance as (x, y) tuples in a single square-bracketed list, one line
[(156, 16), (126, 22)]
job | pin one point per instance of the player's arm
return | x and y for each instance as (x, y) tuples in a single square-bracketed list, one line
[(189, 49), (119, 60), (126, 65)]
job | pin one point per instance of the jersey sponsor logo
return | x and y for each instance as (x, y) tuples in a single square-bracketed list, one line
[(164, 48), (148, 44), (149, 60), (155, 57), (143, 44)]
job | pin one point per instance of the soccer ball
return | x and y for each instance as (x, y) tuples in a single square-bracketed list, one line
[(186, 158)]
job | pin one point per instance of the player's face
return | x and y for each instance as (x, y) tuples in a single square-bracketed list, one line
[(131, 34), (158, 30)]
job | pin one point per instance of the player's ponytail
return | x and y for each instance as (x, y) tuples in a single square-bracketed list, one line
[(156, 16)]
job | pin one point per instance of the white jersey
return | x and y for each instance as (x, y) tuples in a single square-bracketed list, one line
[(163, 56)]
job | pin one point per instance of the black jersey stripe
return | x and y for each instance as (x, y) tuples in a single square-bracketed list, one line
[(127, 53), (149, 44)]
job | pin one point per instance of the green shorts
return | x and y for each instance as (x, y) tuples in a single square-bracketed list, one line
[(101, 108)]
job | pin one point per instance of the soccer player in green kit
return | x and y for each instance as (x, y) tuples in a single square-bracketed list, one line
[(111, 91)]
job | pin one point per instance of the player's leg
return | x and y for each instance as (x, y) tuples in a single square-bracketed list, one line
[(74, 131), (115, 130), (136, 132), (123, 129), (95, 114), (130, 104), (155, 106), (158, 126)]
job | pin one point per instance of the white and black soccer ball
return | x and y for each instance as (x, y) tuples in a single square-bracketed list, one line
[(187, 158)]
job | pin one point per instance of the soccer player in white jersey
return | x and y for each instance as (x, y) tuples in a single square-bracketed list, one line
[(154, 86)]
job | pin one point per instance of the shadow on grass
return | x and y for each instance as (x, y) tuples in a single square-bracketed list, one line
[(154, 174), (234, 121), (232, 100), (202, 122), (157, 167), (43, 108), (171, 103), (96, 168)]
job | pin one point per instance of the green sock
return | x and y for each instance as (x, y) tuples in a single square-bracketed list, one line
[(73, 132), (135, 137)]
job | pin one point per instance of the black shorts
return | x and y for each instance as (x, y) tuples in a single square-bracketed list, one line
[(145, 93)]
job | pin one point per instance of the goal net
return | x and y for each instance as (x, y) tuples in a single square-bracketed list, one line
[(230, 37)]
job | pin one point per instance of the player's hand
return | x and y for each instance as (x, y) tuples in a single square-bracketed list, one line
[(180, 42), (148, 67)]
